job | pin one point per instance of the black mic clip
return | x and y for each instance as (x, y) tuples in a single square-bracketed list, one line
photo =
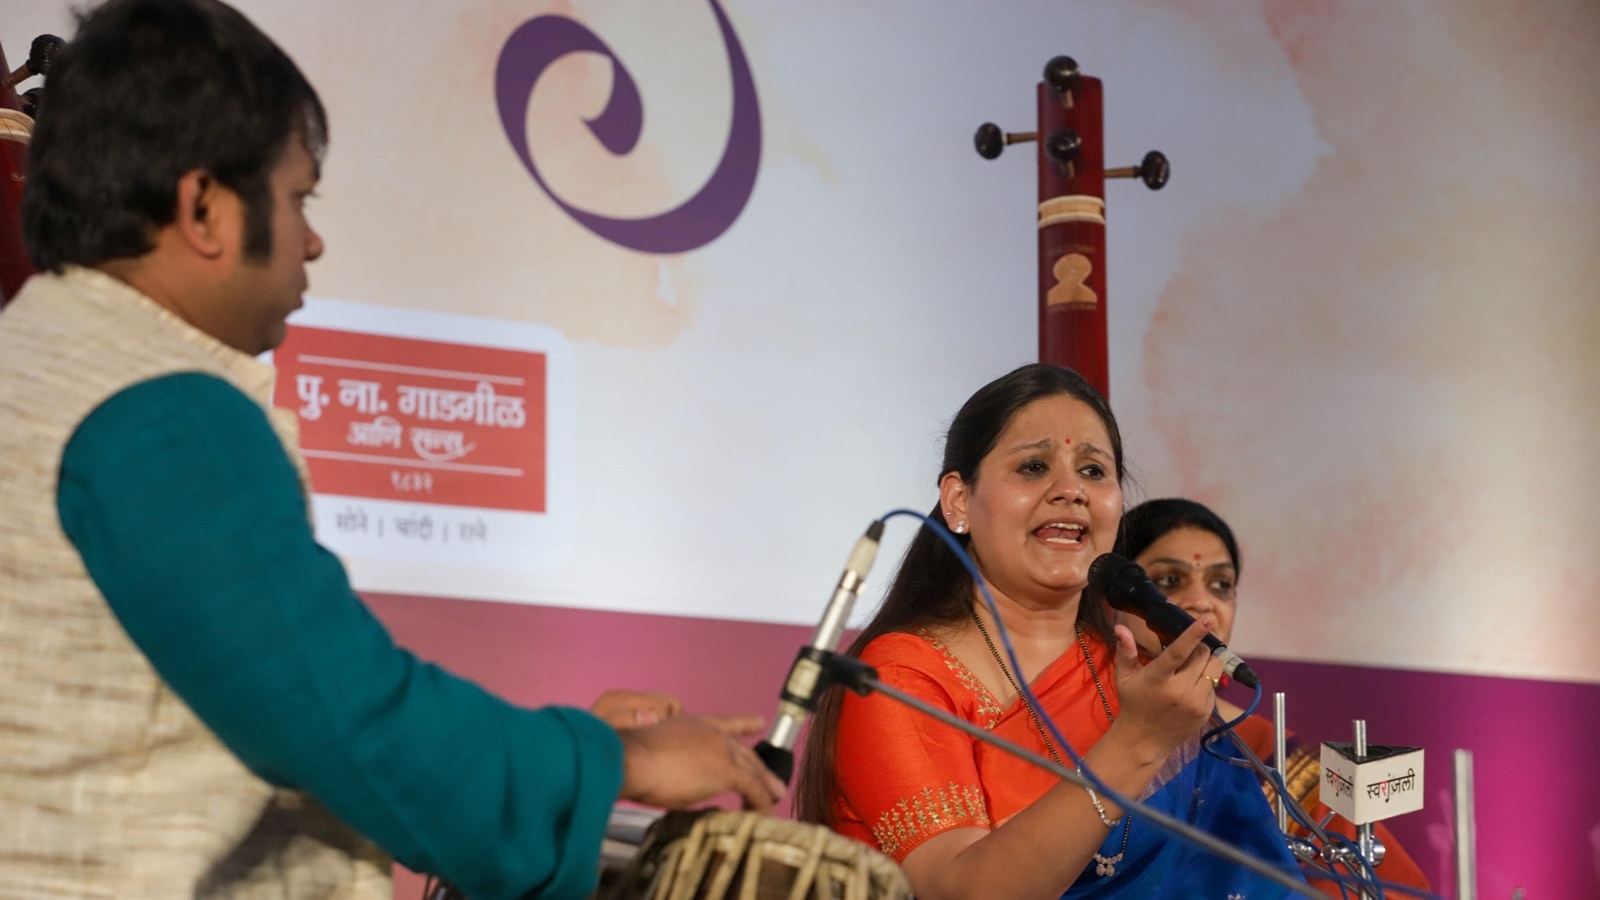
[(815, 670), (813, 673), (846, 671), (807, 676)]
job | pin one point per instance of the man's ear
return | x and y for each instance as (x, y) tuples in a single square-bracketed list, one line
[(205, 213)]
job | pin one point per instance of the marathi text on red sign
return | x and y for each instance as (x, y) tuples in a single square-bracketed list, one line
[(407, 419)]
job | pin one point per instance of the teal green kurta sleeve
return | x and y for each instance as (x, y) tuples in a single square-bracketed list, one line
[(189, 518)]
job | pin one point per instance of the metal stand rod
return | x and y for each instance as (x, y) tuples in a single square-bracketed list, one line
[(1466, 829), (1280, 749), (1363, 832)]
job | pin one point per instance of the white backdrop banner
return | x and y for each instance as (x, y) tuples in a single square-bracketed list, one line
[(736, 263)]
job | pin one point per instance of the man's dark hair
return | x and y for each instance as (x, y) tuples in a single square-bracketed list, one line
[(146, 91)]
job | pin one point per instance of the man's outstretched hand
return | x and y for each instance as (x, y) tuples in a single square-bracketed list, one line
[(687, 759), (635, 709)]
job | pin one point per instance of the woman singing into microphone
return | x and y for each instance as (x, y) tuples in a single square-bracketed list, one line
[(1031, 487)]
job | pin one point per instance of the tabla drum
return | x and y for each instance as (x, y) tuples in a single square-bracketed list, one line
[(719, 855), (723, 855)]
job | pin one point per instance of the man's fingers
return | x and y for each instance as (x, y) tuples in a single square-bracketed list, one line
[(635, 709), (774, 784), (759, 787), (756, 798), (688, 759), (737, 726)]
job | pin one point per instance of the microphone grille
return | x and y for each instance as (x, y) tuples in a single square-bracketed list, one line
[(1111, 577)]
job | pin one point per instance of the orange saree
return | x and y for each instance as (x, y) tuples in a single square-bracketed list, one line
[(902, 778), (940, 778)]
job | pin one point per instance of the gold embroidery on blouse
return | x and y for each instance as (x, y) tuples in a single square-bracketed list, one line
[(1303, 775), (989, 709), (931, 811)]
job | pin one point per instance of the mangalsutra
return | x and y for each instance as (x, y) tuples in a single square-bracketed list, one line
[(1104, 866)]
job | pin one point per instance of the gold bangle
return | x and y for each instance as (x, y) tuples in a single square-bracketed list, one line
[(1100, 810)]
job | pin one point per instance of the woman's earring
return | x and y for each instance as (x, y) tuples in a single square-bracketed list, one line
[(961, 527)]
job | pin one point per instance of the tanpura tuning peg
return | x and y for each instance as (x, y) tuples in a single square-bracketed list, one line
[(1060, 73), (1153, 170), (42, 52), (40, 55), (1063, 146), (990, 140)]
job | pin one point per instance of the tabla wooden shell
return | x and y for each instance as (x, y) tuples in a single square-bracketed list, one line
[(721, 855)]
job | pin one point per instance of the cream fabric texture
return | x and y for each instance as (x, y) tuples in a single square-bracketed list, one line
[(109, 784)]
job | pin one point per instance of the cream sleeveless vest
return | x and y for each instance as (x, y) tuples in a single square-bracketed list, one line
[(109, 784)]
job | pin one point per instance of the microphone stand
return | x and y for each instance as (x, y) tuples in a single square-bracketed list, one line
[(863, 679), (1303, 849)]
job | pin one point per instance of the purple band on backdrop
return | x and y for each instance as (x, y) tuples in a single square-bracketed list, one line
[(539, 42)]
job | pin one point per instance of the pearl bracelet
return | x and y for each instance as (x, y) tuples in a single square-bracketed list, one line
[(1099, 809)]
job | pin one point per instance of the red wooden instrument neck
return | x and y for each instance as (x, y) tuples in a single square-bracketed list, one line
[(1072, 235)]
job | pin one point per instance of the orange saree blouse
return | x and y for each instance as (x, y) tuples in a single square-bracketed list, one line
[(903, 777)]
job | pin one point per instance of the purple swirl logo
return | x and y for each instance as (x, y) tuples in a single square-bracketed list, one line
[(698, 221)]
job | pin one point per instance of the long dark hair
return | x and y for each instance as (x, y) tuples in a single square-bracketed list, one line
[(1149, 521), (931, 587), (147, 91)]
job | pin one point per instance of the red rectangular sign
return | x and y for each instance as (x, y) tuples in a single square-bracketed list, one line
[(424, 421)]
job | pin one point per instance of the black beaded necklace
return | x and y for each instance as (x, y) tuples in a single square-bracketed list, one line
[(1105, 866)]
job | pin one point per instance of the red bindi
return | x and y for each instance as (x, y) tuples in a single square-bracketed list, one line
[(1066, 440)]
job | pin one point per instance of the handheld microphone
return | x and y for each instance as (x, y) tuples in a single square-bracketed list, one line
[(1125, 586), (799, 696)]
